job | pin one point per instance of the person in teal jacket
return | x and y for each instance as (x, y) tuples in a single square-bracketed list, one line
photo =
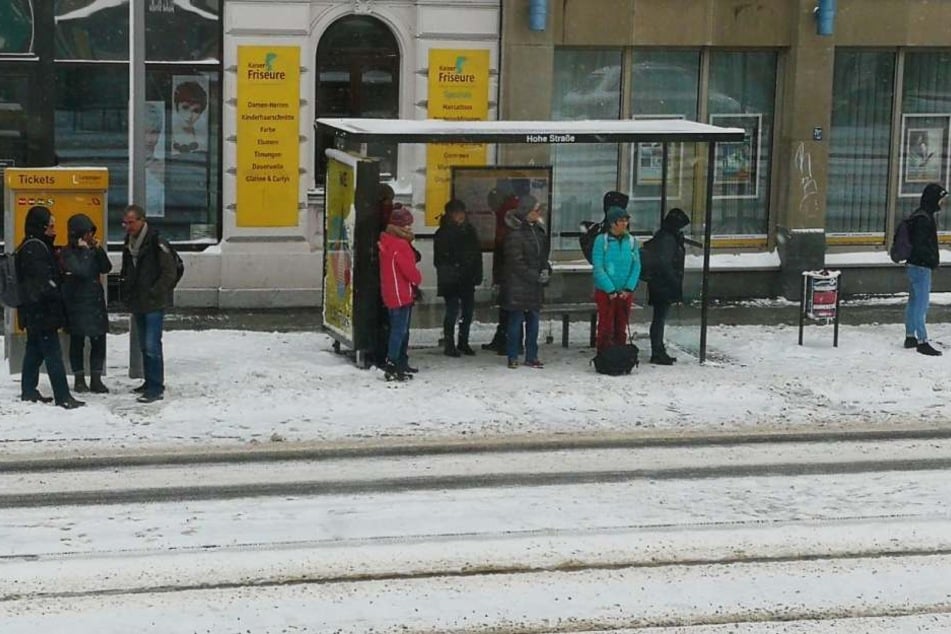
[(616, 263)]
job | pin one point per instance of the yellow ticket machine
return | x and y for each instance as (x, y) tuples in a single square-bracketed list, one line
[(64, 191)]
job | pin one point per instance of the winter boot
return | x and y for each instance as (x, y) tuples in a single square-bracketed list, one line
[(925, 348), (449, 348), (71, 403), (464, 348), (911, 342), (393, 372), (79, 383), (662, 358), (497, 343), (96, 386)]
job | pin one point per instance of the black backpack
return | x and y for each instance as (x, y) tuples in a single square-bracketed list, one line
[(179, 263), (589, 233), (901, 243), (616, 360), (648, 258)]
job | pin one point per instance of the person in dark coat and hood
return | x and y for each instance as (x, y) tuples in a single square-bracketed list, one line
[(457, 257), (503, 202), (923, 235), (666, 282), (41, 312), (84, 263), (526, 274)]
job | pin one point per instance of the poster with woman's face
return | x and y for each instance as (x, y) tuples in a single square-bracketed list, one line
[(189, 114)]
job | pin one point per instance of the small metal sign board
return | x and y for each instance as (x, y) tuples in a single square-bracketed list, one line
[(819, 300)]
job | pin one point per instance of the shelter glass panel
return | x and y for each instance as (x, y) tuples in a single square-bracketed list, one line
[(87, 30), (926, 128), (92, 127), (587, 85), (16, 27), (859, 141), (183, 31), (742, 89), (665, 84)]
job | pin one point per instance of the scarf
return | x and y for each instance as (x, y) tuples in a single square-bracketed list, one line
[(135, 242), (400, 232)]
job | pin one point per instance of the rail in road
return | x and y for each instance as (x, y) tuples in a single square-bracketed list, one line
[(530, 541)]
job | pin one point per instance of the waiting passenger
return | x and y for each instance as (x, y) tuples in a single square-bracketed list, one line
[(457, 257)]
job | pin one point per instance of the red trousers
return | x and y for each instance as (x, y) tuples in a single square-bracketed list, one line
[(613, 316)]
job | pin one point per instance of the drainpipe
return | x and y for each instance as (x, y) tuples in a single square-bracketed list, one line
[(537, 14), (825, 17)]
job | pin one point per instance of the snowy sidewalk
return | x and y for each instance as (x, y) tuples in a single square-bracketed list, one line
[(231, 388)]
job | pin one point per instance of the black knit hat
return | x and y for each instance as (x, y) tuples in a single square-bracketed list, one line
[(615, 199)]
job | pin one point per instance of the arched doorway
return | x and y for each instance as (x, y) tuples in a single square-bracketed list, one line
[(358, 63)]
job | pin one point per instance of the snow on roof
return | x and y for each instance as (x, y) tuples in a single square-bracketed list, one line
[(587, 131)]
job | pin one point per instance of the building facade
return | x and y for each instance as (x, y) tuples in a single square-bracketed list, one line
[(843, 129)]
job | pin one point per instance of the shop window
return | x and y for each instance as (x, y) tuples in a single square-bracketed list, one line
[(13, 112), (925, 128), (358, 63), (182, 31), (741, 94), (16, 27), (90, 30), (862, 97), (587, 85), (92, 127)]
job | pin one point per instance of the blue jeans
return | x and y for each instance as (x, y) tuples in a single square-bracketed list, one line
[(919, 292), (514, 329), (43, 346), (396, 350), (149, 328)]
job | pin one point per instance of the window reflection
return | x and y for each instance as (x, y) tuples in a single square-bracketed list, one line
[(92, 29), (182, 30), (16, 26)]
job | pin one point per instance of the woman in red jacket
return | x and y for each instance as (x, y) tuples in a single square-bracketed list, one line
[(398, 278)]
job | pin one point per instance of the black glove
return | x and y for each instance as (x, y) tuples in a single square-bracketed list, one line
[(417, 294)]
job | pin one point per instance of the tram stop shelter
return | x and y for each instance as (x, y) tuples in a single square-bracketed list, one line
[(351, 224)]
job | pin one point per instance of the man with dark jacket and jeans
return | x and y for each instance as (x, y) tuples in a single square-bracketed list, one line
[(41, 312), (148, 278), (666, 282), (923, 235)]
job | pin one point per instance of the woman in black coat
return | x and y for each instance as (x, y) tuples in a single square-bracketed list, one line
[(666, 282), (84, 263), (458, 260)]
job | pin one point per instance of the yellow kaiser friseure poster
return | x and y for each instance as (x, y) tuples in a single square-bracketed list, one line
[(458, 91), (268, 142), (341, 223)]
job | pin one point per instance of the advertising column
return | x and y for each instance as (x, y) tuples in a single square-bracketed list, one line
[(458, 91), (268, 142)]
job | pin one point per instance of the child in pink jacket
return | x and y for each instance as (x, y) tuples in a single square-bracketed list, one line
[(399, 277)]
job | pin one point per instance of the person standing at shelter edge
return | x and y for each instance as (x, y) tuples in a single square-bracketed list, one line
[(526, 274), (923, 234), (84, 263), (616, 265), (457, 257), (666, 282), (148, 278), (399, 277), (41, 312)]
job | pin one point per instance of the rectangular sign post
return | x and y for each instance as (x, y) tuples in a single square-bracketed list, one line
[(64, 191), (458, 91), (268, 139), (819, 300)]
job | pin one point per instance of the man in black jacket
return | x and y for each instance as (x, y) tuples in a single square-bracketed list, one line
[(923, 235), (41, 314), (148, 279), (666, 282)]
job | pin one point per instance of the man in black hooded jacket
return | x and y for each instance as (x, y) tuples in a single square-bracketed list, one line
[(41, 312), (666, 282), (923, 235)]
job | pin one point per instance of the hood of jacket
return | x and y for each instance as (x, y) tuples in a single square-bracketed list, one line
[(77, 226), (37, 219), (931, 196), (675, 220)]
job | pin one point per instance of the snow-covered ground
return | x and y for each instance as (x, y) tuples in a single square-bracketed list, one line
[(228, 387)]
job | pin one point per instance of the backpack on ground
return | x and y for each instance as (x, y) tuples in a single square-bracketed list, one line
[(589, 233), (901, 242), (648, 259), (9, 287), (616, 360)]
